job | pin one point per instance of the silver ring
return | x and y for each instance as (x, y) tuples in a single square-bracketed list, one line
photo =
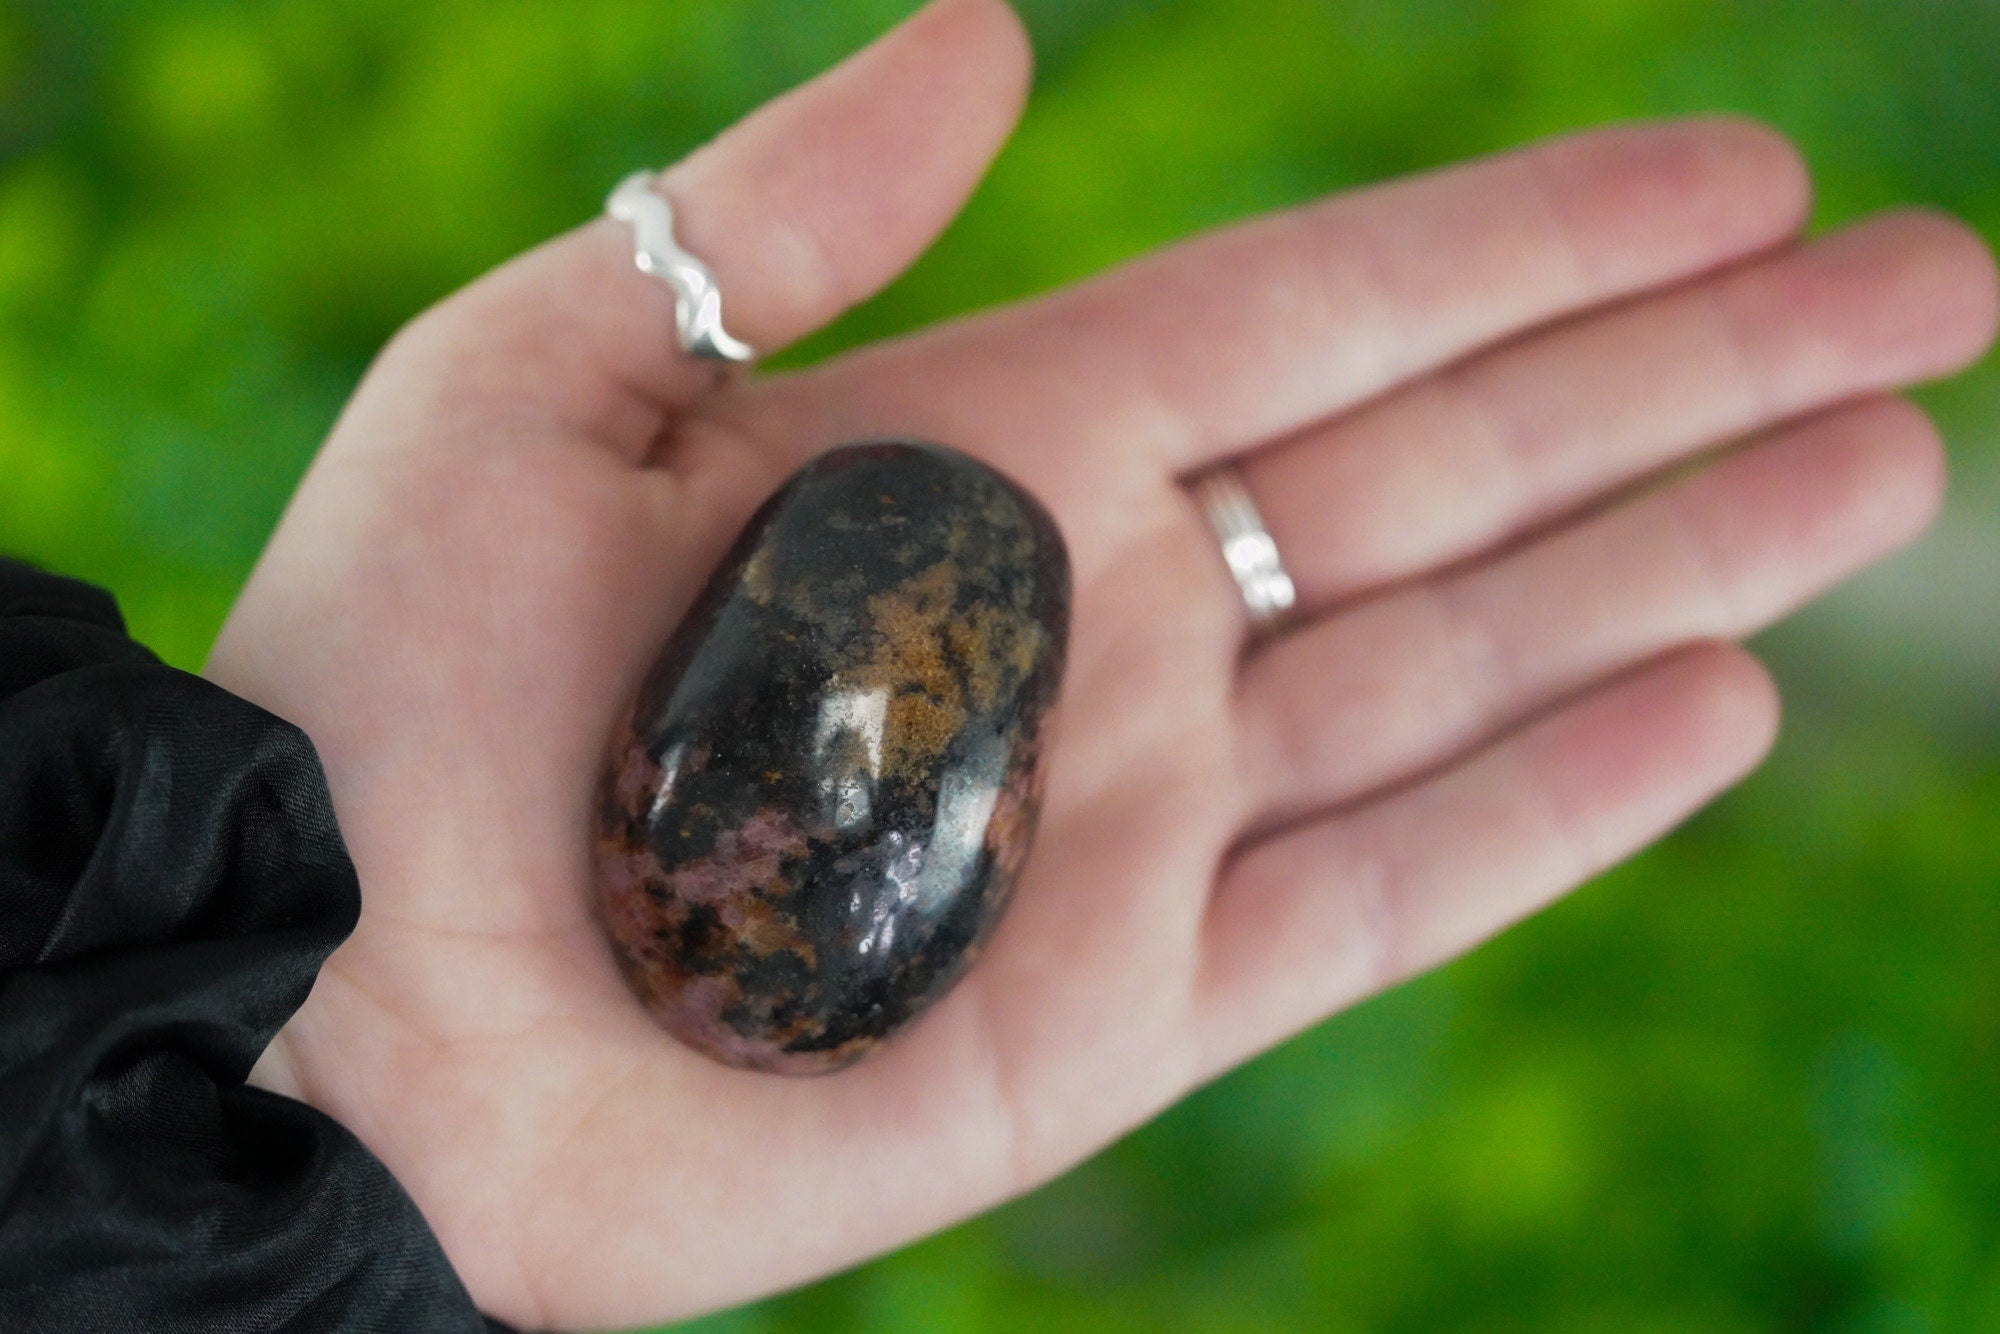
[(1248, 548), (697, 303)]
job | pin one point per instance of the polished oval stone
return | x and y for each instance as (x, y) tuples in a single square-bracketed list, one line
[(822, 795)]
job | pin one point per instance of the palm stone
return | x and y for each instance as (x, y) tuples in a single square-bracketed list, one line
[(823, 793)]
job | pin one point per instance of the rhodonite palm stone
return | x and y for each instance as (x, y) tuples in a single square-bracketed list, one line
[(822, 795)]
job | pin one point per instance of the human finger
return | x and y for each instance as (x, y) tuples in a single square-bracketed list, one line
[(1322, 915), (1365, 697), (1226, 341), (1500, 444), (801, 209)]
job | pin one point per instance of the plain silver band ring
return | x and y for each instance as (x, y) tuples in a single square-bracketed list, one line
[(1248, 548), (697, 303)]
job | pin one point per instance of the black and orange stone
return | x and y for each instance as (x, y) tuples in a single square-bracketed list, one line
[(822, 795)]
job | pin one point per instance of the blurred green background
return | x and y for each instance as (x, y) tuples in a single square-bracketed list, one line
[(1748, 1082)]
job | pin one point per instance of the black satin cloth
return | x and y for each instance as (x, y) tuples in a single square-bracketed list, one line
[(171, 879)]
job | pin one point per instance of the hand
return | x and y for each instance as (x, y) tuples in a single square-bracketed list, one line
[(1475, 408)]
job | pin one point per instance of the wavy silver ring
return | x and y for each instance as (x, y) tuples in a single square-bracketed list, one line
[(1248, 548), (697, 303)]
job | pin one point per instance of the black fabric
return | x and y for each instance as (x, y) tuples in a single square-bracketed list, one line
[(171, 879)]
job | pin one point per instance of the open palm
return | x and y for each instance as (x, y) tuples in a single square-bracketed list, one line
[(1465, 404)]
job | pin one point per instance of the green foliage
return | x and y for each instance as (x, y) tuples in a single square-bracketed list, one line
[(1745, 1083)]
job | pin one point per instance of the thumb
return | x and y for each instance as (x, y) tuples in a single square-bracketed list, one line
[(821, 197), (805, 207)]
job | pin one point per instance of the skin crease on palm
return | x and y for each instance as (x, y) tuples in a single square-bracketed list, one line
[(1539, 436)]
